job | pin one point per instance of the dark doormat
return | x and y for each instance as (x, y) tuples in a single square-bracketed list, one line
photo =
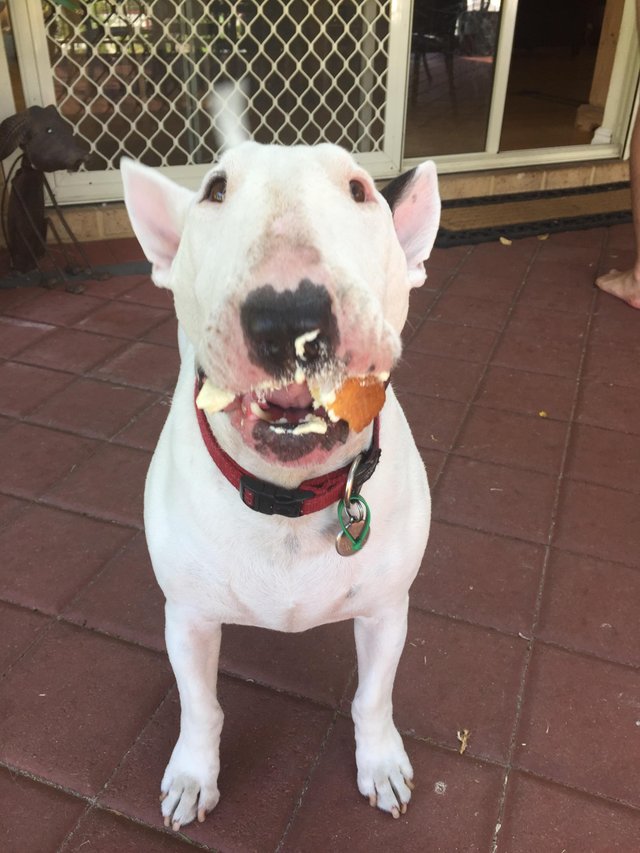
[(48, 278), (483, 219)]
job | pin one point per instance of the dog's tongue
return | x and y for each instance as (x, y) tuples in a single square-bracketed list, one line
[(292, 396)]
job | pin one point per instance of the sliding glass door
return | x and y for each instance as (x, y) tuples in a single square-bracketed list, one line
[(451, 73), (501, 82)]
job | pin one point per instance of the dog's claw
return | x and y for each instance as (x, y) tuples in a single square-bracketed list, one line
[(410, 785), (187, 798), (384, 773)]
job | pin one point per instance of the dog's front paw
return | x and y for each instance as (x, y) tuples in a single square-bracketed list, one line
[(189, 787), (384, 772)]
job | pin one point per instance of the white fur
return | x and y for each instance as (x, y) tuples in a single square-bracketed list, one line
[(288, 214)]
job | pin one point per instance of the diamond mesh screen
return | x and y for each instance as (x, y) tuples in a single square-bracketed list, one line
[(134, 77)]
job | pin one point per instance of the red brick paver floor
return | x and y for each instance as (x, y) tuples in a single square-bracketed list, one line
[(520, 380)]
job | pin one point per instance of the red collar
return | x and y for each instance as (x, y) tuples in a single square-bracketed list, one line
[(310, 496)]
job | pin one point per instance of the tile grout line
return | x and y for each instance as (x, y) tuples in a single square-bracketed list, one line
[(89, 374), (543, 574), (37, 640), (99, 446), (511, 368), (160, 831), (42, 501), (307, 781), (10, 313), (125, 341), (485, 368), (553, 644), (512, 538), (42, 780), (515, 467), (92, 802), (160, 396), (321, 751), (625, 804), (441, 291), (85, 587)]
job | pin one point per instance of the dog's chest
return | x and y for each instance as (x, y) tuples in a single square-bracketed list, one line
[(280, 579), (296, 584)]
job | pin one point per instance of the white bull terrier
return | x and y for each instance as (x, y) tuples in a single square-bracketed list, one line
[(290, 273)]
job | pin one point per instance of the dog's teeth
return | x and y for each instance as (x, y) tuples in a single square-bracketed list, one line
[(258, 412), (311, 424), (213, 399)]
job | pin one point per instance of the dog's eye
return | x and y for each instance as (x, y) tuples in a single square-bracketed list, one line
[(217, 189), (358, 192)]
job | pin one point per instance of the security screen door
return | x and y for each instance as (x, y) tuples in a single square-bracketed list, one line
[(134, 78)]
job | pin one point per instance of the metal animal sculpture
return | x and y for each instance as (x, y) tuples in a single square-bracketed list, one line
[(48, 144)]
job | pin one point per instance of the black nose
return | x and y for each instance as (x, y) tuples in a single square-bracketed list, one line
[(291, 328)]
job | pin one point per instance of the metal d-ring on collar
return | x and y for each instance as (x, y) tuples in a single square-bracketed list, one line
[(354, 505), (354, 516), (351, 476)]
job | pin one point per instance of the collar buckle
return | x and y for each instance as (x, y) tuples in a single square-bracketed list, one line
[(270, 499)]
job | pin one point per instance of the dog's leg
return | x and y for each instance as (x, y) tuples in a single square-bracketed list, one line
[(190, 784), (384, 771)]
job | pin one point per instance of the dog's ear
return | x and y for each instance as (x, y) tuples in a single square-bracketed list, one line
[(157, 208), (415, 203), (13, 132)]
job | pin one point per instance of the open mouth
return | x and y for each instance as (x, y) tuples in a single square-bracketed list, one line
[(290, 410), (294, 419), (286, 423)]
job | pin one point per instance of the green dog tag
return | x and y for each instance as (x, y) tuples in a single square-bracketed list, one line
[(354, 526)]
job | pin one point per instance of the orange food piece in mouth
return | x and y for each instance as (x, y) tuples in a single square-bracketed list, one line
[(358, 401)]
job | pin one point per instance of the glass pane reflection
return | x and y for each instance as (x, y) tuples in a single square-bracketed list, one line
[(453, 51), (560, 71)]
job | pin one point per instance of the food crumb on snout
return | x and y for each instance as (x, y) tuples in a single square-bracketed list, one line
[(302, 340)]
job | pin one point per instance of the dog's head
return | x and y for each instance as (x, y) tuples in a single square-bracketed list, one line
[(46, 138), (290, 273)]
